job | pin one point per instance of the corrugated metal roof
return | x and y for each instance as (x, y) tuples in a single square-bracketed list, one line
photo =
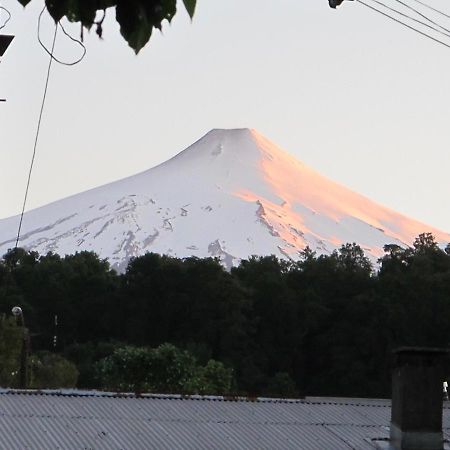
[(72, 420)]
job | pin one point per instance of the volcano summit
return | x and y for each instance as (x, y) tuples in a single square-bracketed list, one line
[(230, 195)]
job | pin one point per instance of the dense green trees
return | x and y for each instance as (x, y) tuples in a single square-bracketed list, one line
[(322, 326), (165, 369)]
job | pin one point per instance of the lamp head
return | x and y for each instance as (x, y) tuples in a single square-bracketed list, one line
[(17, 311)]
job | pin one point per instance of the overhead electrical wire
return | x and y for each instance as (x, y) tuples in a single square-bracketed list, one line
[(8, 18), (432, 8), (44, 97), (38, 129), (404, 24), (50, 53), (400, 13), (422, 15)]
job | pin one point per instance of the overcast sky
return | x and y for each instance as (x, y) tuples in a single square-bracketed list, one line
[(357, 97)]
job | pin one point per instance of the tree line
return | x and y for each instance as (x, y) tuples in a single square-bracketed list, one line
[(324, 325)]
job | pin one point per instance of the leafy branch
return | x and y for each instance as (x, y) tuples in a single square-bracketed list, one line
[(137, 18)]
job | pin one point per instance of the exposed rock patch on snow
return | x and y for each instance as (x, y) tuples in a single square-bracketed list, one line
[(230, 195)]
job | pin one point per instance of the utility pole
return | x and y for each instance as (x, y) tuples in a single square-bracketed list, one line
[(24, 354)]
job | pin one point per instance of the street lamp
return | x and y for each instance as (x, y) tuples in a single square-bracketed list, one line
[(17, 312), (23, 379)]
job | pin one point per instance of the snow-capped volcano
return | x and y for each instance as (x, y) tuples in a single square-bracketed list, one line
[(231, 194)]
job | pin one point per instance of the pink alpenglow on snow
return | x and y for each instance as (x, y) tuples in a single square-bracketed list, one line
[(230, 195)]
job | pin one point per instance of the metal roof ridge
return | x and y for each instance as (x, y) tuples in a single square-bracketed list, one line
[(350, 401), (110, 394)]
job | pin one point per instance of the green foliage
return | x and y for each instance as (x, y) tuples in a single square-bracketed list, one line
[(191, 303), (190, 7), (52, 371), (212, 379), (281, 385), (425, 242), (74, 288), (137, 18), (85, 356), (351, 257), (165, 369), (277, 321), (11, 339), (324, 325)]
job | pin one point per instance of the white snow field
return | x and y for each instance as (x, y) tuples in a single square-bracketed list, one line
[(232, 194)]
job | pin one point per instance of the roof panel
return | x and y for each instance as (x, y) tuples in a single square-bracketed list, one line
[(71, 420)]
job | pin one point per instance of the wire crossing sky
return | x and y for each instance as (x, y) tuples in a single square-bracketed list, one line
[(428, 24), (352, 93)]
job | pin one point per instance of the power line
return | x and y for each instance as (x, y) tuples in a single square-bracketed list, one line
[(7, 19), (50, 53), (422, 15), (433, 9), (36, 138), (52, 58), (411, 18), (404, 24)]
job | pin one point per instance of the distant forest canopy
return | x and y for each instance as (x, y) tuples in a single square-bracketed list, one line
[(324, 325)]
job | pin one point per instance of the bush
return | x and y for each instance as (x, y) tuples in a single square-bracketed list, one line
[(281, 385), (52, 371), (165, 369)]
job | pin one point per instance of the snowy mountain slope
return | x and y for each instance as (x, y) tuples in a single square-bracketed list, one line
[(232, 194)]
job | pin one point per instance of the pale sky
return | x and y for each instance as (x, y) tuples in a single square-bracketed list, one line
[(360, 99)]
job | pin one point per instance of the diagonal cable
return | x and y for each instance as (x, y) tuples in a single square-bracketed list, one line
[(422, 15), (44, 97), (400, 13), (432, 8), (404, 24)]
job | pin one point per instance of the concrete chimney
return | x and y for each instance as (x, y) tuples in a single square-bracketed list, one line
[(418, 374)]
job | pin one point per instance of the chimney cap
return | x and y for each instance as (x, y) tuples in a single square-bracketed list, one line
[(428, 356), (421, 351)]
